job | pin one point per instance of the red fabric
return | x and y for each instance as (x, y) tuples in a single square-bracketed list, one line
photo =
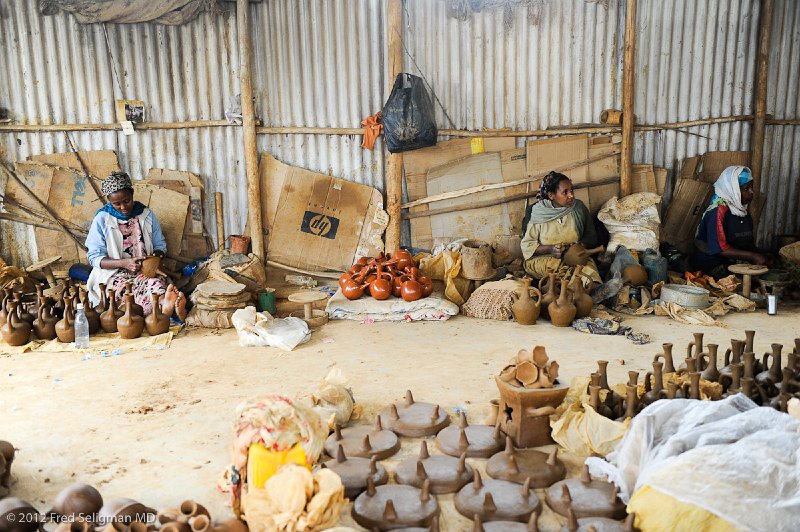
[(723, 242)]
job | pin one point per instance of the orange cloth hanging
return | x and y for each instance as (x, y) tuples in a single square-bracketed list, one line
[(372, 128)]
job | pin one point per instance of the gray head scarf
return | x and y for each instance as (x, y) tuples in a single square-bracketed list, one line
[(115, 182)]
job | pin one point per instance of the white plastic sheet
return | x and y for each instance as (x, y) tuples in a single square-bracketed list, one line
[(730, 457), (261, 329)]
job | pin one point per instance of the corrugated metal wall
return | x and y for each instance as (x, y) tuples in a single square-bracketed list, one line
[(321, 63)]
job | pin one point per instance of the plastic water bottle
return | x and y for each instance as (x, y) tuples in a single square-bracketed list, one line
[(81, 328)]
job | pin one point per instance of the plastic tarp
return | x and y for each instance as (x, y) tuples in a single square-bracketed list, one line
[(172, 12), (729, 458)]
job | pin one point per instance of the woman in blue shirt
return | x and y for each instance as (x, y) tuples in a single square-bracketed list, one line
[(122, 234), (725, 234)]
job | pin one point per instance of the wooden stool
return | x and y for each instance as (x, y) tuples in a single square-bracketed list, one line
[(747, 271), (44, 267), (313, 317)]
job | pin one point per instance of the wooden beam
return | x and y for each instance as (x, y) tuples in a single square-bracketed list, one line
[(628, 88), (218, 208), (249, 129), (762, 71), (394, 162)]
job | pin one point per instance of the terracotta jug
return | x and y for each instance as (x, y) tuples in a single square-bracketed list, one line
[(576, 254), (732, 383), (771, 375), (404, 259), (710, 371), (15, 331), (58, 303), (130, 325), (666, 354), (102, 306), (137, 309), (631, 402), (696, 347), (425, 283), (749, 338), (45, 323), (410, 288), (381, 287), (22, 312), (582, 300), (397, 285), (92, 316), (547, 287), (653, 392), (4, 305), (562, 311), (526, 309), (733, 355), (65, 328), (108, 319), (156, 323)]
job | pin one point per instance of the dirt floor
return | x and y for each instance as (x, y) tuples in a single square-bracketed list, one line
[(156, 425)]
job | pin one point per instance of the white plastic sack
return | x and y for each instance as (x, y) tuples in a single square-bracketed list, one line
[(261, 329), (730, 458), (632, 221)]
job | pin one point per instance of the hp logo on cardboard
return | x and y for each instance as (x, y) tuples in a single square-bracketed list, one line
[(318, 224)]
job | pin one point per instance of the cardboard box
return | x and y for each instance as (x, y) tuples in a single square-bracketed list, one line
[(99, 163), (689, 202), (325, 223), (714, 162)]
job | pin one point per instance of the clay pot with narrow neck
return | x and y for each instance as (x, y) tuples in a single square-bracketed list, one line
[(23, 314), (15, 331), (410, 288), (696, 347), (733, 355), (381, 287), (65, 328), (39, 298), (562, 311), (710, 371), (108, 319), (631, 402), (45, 323), (130, 325), (731, 382), (404, 259), (577, 254), (526, 309), (156, 323), (92, 316), (425, 283), (749, 339), (58, 303), (4, 305), (653, 392), (666, 354), (102, 306), (137, 309), (582, 300), (770, 375)]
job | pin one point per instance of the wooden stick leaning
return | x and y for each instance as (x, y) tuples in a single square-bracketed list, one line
[(494, 186)]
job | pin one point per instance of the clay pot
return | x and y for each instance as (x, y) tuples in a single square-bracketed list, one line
[(156, 322), (634, 275), (669, 365), (582, 300), (92, 316), (45, 323), (562, 311), (768, 378), (653, 392), (710, 373), (404, 259), (130, 325), (17, 515), (65, 328), (427, 285), (137, 308), (381, 287), (23, 314), (352, 290), (78, 500), (547, 287), (526, 309), (577, 255), (411, 289), (122, 510), (187, 511), (108, 319), (15, 331), (102, 306), (151, 266), (397, 285), (4, 305)]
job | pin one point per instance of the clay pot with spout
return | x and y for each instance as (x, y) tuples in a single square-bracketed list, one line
[(108, 319), (130, 325), (733, 355), (427, 284), (526, 309), (709, 358), (15, 331), (771, 375), (547, 287), (577, 254), (22, 312), (137, 308), (156, 322), (654, 392), (410, 288), (562, 311), (404, 259), (666, 354), (92, 316), (381, 287), (45, 323), (65, 328), (582, 300)]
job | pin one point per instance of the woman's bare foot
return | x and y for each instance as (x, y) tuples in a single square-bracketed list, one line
[(180, 306), (168, 300)]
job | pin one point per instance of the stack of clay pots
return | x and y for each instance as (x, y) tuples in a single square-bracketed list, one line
[(385, 276)]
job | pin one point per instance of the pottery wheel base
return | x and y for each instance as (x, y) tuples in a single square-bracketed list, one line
[(482, 441), (382, 443), (497, 500), (595, 498), (529, 464), (441, 471), (394, 506), (354, 473), (416, 420), (318, 319)]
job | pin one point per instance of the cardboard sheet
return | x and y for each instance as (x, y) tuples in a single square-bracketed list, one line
[(99, 163), (688, 204), (547, 154), (169, 207)]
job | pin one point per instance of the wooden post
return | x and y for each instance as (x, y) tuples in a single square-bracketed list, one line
[(249, 130), (394, 163), (220, 221), (628, 87), (759, 120)]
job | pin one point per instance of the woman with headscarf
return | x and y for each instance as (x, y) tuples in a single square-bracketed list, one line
[(552, 224), (122, 234), (725, 234)]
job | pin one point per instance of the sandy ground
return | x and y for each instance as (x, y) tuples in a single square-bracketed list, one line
[(156, 425)]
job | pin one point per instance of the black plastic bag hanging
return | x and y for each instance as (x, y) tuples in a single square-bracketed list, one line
[(409, 121)]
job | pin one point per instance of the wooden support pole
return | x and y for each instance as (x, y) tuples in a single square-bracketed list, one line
[(628, 87), (759, 120), (394, 162), (220, 221), (249, 130)]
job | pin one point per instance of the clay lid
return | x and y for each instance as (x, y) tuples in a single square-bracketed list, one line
[(414, 419), (363, 441), (355, 472), (586, 497), (521, 464), (445, 473), (395, 506), (497, 500), (478, 441), (597, 524)]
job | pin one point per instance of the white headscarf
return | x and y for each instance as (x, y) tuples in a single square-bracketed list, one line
[(727, 189)]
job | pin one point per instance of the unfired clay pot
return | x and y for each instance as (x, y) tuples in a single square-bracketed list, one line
[(78, 500), (22, 312), (156, 323), (137, 308), (526, 309), (549, 291), (45, 323), (108, 319), (65, 328), (130, 325), (578, 255), (582, 300), (562, 311), (92, 316), (15, 331)]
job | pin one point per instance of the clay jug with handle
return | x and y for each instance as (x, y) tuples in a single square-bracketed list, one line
[(547, 287), (156, 323), (576, 254), (130, 325), (526, 309), (65, 328), (582, 300), (562, 311), (108, 319), (45, 323), (15, 331), (137, 308), (92, 316), (102, 306), (22, 312)]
